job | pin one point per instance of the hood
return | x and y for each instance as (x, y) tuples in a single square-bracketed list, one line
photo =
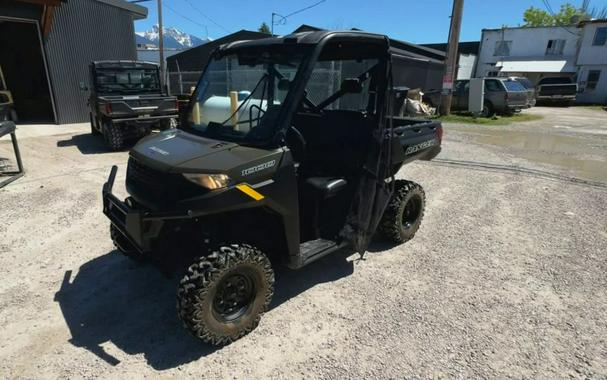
[(169, 149), (181, 152)]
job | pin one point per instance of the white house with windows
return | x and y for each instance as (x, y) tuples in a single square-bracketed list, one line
[(535, 53), (592, 62), (577, 51)]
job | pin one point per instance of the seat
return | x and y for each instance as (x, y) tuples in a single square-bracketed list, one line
[(320, 189), (326, 187)]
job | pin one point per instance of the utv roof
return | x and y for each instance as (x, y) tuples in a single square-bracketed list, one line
[(124, 64), (307, 38)]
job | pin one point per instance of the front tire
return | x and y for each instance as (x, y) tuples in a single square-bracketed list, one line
[(404, 213), (123, 245), (223, 295)]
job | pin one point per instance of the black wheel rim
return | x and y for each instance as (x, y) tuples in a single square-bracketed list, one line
[(234, 295), (411, 211)]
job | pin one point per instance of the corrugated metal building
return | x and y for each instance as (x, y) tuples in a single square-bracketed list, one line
[(47, 45)]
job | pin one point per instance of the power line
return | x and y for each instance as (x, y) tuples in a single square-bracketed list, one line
[(305, 9), (283, 19), (184, 17), (207, 17), (553, 14)]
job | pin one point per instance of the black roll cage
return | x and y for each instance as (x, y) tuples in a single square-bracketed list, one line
[(297, 93)]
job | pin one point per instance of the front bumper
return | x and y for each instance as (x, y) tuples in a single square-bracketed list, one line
[(139, 226), (555, 98)]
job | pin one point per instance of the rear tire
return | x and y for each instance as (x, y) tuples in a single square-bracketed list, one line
[(114, 136), (487, 110), (223, 295), (404, 213)]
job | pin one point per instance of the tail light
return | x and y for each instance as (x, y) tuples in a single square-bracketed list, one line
[(108, 108)]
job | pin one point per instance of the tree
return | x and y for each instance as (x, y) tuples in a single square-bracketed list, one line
[(567, 15), (264, 28)]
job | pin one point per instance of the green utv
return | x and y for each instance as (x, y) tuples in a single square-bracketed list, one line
[(126, 101), (287, 153)]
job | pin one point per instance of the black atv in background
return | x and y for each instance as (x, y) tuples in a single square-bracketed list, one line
[(127, 101)]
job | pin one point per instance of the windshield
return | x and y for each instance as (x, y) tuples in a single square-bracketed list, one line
[(122, 81), (525, 82), (240, 95), (512, 85)]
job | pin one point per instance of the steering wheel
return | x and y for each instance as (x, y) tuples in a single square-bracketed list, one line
[(297, 143)]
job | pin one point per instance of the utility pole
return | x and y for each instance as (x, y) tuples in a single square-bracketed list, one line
[(452, 52), (161, 42)]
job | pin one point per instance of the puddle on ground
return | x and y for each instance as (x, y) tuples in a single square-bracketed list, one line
[(566, 152)]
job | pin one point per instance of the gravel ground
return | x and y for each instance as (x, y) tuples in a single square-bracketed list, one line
[(506, 278)]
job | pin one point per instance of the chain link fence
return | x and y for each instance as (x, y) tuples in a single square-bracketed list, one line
[(323, 82)]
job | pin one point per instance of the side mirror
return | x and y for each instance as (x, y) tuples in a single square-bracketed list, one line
[(83, 86), (351, 86)]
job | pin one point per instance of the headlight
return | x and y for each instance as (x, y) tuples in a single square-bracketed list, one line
[(209, 181)]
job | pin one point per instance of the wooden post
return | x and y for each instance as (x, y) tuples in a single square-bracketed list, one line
[(452, 52)]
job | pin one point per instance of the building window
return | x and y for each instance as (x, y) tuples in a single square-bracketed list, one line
[(555, 47), (502, 48), (593, 79), (600, 37)]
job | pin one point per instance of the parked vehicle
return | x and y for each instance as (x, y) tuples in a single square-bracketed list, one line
[(502, 95), (273, 165), (126, 101), (7, 106), (529, 87), (561, 90)]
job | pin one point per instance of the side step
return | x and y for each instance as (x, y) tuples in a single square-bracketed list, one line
[(313, 250)]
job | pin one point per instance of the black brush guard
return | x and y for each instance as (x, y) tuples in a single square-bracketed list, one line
[(139, 227)]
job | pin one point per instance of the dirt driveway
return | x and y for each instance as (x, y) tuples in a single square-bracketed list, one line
[(507, 276)]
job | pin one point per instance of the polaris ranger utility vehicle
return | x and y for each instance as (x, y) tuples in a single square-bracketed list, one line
[(126, 101), (288, 153)]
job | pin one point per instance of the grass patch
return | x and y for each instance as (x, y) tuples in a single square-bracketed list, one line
[(466, 118), (597, 107)]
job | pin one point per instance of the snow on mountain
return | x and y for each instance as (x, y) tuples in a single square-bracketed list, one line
[(173, 38)]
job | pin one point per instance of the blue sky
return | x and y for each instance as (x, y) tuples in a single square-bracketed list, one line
[(419, 21)]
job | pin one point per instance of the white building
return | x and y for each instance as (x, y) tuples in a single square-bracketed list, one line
[(539, 52), (592, 62), (526, 51)]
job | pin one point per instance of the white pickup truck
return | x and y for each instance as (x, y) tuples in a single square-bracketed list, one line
[(557, 89)]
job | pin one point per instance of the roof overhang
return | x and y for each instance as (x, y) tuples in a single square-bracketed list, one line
[(537, 66), (139, 12)]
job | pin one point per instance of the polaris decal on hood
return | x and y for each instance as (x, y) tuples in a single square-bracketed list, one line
[(258, 168)]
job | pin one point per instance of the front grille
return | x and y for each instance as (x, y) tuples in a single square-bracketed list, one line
[(156, 188), (566, 89)]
